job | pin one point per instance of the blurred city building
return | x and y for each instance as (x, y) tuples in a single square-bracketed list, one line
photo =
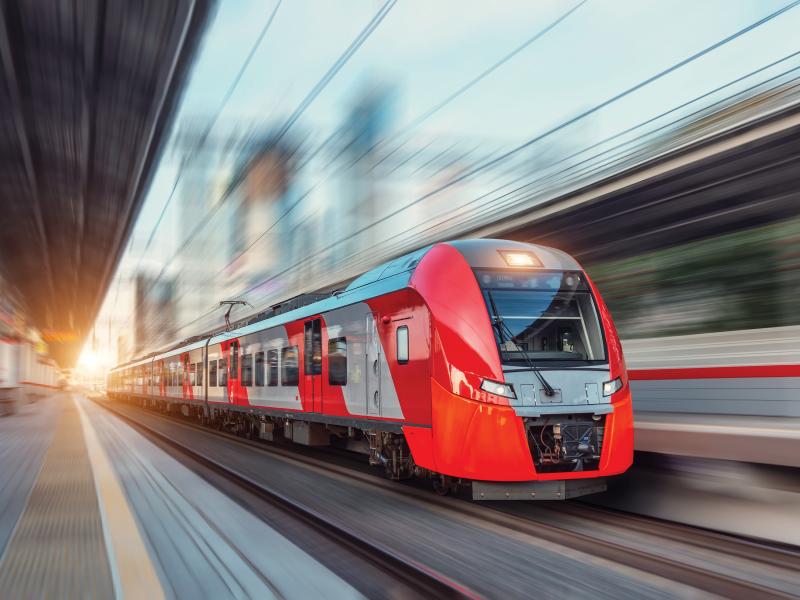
[(155, 313), (263, 219)]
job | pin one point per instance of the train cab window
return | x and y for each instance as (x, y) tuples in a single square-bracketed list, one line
[(212, 373), (289, 362), (402, 345), (247, 370), (272, 368), (543, 316), (259, 369), (223, 372), (337, 361)]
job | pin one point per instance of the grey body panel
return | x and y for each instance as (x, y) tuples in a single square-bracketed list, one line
[(577, 391)]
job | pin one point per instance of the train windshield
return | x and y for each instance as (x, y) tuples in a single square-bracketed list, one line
[(543, 316)]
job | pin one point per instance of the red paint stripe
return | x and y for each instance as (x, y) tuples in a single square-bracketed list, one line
[(716, 372)]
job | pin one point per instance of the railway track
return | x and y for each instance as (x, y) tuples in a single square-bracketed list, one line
[(433, 583), (415, 577)]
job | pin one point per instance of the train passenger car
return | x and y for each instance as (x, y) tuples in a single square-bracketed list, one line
[(485, 361)]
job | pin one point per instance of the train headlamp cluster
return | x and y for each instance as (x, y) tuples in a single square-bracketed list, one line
[(497, 388), (609, 387), (520, 259)]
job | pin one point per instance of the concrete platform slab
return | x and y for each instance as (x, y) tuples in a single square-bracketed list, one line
[(58, 547)]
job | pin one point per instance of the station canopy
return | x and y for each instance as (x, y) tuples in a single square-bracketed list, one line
[(88, 93)]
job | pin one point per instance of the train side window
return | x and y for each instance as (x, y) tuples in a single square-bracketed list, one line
[(272, 366), (402, 345), (247, 370), (259, 369), (291, 374), (337, 361), (199, 377), (212, 373), (192, 374), (223, 372)]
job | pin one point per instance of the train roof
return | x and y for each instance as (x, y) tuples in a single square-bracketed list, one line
[(388, 277), (486, 254)]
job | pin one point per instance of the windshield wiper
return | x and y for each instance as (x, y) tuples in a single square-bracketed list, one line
[(497, 321)]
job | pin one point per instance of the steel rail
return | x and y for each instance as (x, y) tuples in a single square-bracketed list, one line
[(423, 581), (676, 570)]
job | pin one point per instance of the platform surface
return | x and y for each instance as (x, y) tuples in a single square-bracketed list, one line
[(90, 508), (57, 547)]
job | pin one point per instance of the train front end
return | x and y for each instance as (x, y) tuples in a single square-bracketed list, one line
[(530, 396)]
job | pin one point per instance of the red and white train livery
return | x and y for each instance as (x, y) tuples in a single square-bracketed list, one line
[(486, 361)]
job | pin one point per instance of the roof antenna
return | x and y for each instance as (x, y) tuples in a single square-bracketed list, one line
[(230, 304)]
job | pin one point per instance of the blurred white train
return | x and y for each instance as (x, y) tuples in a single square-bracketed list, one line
[(25, 373)]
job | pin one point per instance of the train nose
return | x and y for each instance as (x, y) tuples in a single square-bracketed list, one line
[(570, 387)]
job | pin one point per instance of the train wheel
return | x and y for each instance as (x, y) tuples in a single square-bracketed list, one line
[(442, 485)]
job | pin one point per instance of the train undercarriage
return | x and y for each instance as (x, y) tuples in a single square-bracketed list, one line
[(560, 443)]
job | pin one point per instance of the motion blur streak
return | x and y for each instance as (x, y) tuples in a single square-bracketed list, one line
[(178, 172)]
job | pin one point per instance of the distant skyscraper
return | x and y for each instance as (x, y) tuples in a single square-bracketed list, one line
[(356, 207), (263, 235), (154, 318)]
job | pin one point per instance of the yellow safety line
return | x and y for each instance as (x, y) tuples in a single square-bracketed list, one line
[(137, 577)]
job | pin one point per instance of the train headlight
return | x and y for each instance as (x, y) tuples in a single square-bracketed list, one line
[(609, 387), (520, 259), (498, 389)]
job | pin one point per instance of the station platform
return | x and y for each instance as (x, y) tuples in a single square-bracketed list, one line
[(90, 508), (745, 438)]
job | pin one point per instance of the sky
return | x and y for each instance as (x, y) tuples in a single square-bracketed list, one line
[(423, 51)]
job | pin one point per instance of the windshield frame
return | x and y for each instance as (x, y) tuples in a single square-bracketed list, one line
[(543, 364)]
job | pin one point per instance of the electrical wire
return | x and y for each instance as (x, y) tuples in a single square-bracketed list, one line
[(305, 103), (207, 131), (503, 157)]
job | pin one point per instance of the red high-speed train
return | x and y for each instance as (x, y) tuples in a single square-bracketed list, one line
[(483, 361)]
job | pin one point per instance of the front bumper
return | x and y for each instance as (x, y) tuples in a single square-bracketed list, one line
[(479, 441)]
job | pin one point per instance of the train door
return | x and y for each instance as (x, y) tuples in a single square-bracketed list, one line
[(186, 384), (373, 368), (233, 372), (312, 364)]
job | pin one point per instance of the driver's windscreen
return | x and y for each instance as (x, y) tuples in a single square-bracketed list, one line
[(542, 315)]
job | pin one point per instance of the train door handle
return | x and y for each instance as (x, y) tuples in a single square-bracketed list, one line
[(375, 398), (375, 366)]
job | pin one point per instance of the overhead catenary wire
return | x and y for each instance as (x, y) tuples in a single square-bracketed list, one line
[(510, 198), (417, 121), (359, 40), (497, 160), (479, 168), (481, 76), (207, 131), (363, 35), (367, 256), (447, 218)]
